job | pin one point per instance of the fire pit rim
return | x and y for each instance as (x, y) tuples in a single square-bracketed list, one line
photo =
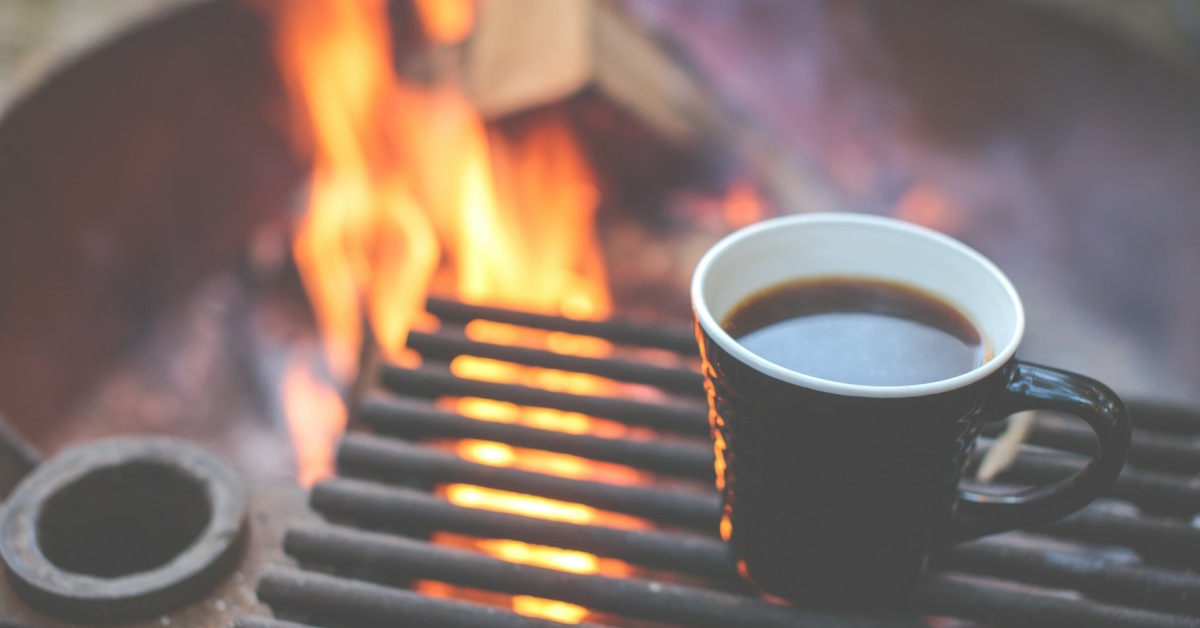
[(68, 594)]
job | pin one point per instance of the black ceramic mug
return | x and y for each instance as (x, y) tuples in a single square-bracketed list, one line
[(835, 491)]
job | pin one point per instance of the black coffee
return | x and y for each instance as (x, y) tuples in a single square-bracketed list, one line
[(858, 331)]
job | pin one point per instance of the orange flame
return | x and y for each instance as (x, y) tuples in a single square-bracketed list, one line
[(316, 417), (446, 21), (742, 206), (363, 239), (926, 205), (564, 612), (408, 183)]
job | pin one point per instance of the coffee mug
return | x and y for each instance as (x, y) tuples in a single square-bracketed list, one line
[(834, 490)]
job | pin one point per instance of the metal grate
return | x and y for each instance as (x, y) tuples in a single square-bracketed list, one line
[(1127, 560)]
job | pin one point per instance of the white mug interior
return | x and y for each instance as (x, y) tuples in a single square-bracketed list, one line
[(802, 246)]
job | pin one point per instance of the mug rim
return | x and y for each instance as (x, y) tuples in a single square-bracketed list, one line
[(712, 328)]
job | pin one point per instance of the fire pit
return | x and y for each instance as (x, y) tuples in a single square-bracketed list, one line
[(515, 450)]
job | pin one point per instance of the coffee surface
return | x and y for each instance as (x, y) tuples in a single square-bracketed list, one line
[(858, 331)]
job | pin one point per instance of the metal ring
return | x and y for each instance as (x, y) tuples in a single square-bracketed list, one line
[(68, 593)]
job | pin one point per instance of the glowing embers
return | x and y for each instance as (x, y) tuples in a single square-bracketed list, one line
[(557, 464), (410, 191)]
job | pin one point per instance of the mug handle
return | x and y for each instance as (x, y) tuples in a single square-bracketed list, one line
[(1034, 387)]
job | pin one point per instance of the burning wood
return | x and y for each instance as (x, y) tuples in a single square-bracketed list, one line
[(531, 53), (528, 54)]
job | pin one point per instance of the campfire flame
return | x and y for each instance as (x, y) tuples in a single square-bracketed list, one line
[(316, 418), (364, 246), (742, 205), (446, 21), (411, 192), (925, 204)]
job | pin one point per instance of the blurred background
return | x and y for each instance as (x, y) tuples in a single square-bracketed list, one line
[(152, 177)]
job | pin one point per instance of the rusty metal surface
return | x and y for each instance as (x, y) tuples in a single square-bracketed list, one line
[(125, 179)]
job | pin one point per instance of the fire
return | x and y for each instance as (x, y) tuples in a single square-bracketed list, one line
[(552, 609), (528, 245), (364, 247), (316, 417), (926, 205), (742, 206), (410, 189), (446, 21), (526, 235)]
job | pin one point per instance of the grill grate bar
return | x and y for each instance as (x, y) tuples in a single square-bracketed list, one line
[(429, 383), (445, 347), (1163, 417), (395, 558), (399, 460), (1102, 579), (997, 605), (1099, 578), (1152, 451), (1152, 490), (345, 602), (413, 419), (1155, 537), (681, 341), (383, 507)]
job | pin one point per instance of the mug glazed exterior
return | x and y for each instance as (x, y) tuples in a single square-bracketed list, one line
[(830, 496), (836, 492)]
